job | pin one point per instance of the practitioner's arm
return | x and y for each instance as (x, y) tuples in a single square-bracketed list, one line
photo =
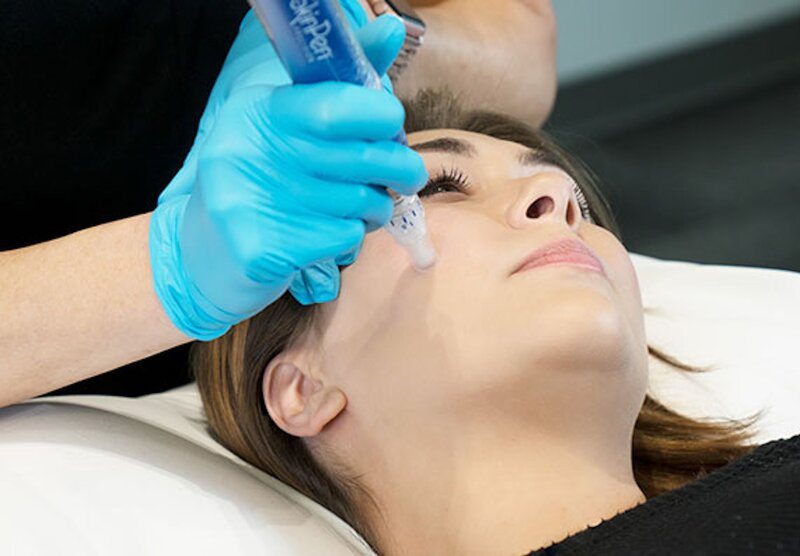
[(78, 306), (229, 235)]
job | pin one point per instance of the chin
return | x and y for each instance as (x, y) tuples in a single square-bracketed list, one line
[(578, 326), (536, 354)]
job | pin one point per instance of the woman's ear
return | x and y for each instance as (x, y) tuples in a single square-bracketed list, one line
[(299, 405)]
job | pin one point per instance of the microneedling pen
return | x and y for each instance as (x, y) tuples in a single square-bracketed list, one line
[(315, 43)]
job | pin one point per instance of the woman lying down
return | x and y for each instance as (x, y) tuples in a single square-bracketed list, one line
[(496, 404)]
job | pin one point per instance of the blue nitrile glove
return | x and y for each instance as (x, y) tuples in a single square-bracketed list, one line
[(287, 177), (252, 61)]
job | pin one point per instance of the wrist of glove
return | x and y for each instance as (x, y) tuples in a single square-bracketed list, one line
[(186, 306)]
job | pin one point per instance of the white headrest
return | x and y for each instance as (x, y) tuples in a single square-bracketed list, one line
[(741, 322), (108, 475)]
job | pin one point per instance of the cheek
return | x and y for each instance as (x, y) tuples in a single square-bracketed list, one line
[(381, 294), (383, 298), (621, 273), (367, 287), (391, 325), (459, 237)]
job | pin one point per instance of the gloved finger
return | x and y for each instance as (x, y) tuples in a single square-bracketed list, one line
[(250, 30), (318, 283), (384, 163), (249, 48), (250, 61), (336, 111), (382, 39), (269, 72), (302, 244), (349, 257), (372, 225), (372, 204)]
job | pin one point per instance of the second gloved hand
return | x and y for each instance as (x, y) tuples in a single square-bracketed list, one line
[(286, 178)]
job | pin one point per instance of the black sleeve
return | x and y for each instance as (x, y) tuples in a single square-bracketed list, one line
[(99, 104)]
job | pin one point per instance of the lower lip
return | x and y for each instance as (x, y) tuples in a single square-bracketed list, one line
[(572, 259)]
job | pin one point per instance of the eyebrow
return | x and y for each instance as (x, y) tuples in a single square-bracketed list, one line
[(533, 157), (447, 145), (528, 157)]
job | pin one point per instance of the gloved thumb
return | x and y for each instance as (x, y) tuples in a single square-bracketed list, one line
[(382, 39), (318, 283)]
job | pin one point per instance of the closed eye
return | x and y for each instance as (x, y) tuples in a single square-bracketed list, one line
[(454, 180), (446, 181)]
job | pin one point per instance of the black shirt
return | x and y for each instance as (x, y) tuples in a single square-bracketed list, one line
[(750, 506), (99, 105)]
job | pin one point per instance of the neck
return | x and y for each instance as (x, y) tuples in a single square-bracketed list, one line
[(490, 493)]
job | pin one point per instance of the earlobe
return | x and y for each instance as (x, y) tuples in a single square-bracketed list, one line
[(298, 404)]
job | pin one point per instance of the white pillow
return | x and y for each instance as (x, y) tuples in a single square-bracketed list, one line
[(106, 475), (86, 475), (743, 322)]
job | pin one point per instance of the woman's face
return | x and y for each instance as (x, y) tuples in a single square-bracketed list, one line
[(474, 336)]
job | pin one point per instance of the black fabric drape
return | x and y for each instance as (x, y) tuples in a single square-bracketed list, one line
[(99, 103), (750, 506)]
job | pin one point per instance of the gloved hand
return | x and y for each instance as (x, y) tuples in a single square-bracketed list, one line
[(252, 61), (285, 178)]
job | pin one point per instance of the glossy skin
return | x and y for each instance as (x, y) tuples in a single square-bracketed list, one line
[(444, 391)]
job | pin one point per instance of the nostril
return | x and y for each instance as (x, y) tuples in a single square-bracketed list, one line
[(541, 206)]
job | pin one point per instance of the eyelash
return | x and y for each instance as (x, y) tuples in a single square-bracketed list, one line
[(453, 177), (583, 204), (456, 179)]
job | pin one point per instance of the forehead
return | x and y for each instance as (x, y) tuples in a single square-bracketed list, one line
[(478, 152), (482, 144)]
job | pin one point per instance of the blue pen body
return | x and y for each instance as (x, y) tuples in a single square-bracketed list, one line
[(315, 43)]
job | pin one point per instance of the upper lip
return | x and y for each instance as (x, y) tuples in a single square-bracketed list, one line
[(565, 245)]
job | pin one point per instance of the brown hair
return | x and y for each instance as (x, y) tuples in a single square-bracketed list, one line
[(669, 449)]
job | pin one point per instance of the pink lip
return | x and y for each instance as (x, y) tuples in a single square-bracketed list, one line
[(566, 251)]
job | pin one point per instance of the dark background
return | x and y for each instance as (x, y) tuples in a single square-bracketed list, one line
[(99, 104), (699, 152)]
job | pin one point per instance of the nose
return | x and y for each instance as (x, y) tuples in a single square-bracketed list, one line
[(545, 197)]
